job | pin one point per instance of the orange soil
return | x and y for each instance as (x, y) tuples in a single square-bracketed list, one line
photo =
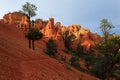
[(18, 62)]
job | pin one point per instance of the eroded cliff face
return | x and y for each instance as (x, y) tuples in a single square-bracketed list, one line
[(40, 24), (12, 18), (18, 62), (56, 31), (16, 19), (53, 30), (24, 23), (49, 30), (86, 37)]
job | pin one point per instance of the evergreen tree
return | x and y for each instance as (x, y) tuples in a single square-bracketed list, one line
[(74, 61), (107, 62), (89, 58), (67, 39), (33, 35), (29, 10), (51, 47), (79, 50)]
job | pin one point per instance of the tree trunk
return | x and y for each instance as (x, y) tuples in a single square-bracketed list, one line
[(29, 43), (33, 45), (29, 23), (29, 20)]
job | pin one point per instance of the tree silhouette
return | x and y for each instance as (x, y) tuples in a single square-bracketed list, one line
[(79, 49), (33, 35), (51, 47), (67, 39), (29, 10), (107, 62), (74, 61)]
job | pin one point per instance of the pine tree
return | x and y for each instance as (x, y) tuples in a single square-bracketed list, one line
[(107, 62), (33, 35), (29, 10), (51, 48)]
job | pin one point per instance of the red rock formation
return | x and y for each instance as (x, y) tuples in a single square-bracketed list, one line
[(24, 23), (18, 62), (58, 30), (76, 30), (49, 30), (2, 21), (40, 24), (40, 61), (58, 25), (17, 19), (54, 31), (12, 18), (88, 40)]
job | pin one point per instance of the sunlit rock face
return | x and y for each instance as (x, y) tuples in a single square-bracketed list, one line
[(15, 18), (56, 31), (53, 30), (49, 29), (86, 37), (12, 18), (24, 23), (40, 24)]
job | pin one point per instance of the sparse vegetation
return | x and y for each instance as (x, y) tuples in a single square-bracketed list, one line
[(102, 60), (104, 63)]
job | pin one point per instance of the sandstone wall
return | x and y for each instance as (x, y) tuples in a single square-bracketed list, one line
[(53, 30), (12, 18)]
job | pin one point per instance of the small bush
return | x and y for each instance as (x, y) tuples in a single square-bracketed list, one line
[(51, 48), (67, 39), (74, 60), (79, 51)]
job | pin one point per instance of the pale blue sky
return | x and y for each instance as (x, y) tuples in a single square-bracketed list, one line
[(87, 13)]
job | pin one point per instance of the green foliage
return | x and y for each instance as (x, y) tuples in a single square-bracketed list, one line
[(34, 34), (107, 62), (105, 27), (67, 39), (66, 51), (74, 59), (79, 50), (21, 13), (51, 47), (89, 57), (29, 9), (99, 68)]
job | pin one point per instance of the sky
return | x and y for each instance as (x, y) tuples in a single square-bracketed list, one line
[(87, 13)]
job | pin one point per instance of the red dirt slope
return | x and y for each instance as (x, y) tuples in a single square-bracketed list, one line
[(18, 62)]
